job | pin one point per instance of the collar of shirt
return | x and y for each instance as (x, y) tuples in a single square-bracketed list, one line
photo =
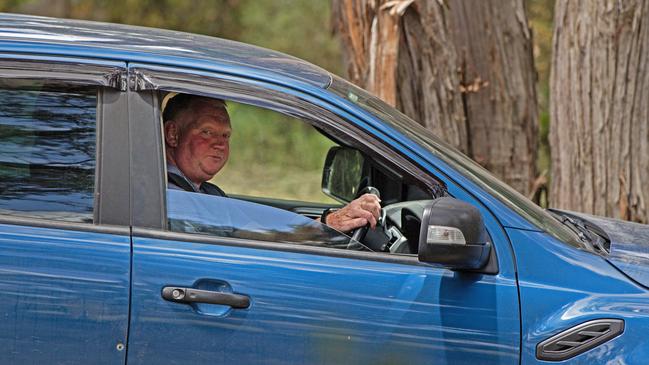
[(175, 170)]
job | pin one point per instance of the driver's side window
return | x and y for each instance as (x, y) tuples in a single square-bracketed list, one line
[(240, 171)]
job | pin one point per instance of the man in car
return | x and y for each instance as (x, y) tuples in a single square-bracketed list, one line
[(197, 138)]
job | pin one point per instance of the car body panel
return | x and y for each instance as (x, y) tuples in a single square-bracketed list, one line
[(629, 250), (197, 263), (315, 309), (67, 285), (65, 295), (561, 286)]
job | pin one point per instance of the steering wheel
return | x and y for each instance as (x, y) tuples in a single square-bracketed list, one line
[(359, 233)]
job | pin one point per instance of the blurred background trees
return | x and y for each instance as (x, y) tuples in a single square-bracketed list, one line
[(297, 27), (476, 72)]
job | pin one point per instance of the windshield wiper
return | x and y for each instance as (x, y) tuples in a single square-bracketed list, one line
[(578, 226), (579, 229)]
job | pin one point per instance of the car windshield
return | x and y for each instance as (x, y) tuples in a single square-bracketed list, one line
[(479, 175)]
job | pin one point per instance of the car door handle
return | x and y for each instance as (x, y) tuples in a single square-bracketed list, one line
[(191, 295)]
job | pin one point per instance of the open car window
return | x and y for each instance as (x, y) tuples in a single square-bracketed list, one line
[(272, 181), (272, 188), (273, 156)]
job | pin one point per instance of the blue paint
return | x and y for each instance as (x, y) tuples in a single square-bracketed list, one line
[(318, 310), (562, 286), (65, 296)]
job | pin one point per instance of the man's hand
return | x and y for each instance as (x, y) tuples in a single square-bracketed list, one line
[(364, 210)]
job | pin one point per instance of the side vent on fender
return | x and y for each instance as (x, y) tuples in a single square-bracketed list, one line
[(579, 339)]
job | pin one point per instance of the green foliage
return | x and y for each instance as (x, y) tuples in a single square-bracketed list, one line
[(297, 27), (263, 131), (210, 17), (10, 5)]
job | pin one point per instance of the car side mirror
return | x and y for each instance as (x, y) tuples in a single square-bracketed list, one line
[(453, 235), (342, 173)]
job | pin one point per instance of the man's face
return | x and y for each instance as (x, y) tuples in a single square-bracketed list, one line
[(202, 146)]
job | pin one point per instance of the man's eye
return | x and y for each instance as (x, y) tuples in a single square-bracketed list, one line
[(206, 133)]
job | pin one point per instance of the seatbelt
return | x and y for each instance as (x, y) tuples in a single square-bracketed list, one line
[(205, 188), (180, 182), (211, 189)]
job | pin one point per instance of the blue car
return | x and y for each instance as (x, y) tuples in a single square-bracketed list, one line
[(101, 263)]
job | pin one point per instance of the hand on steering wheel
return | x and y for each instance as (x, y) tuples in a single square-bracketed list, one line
[(358, 215), (359, 233)]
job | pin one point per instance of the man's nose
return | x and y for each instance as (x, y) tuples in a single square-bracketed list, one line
[(219, 142)]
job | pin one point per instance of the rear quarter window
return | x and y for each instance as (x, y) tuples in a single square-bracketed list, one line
[(47, 151)]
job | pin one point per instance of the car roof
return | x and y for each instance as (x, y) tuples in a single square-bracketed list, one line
[(28, 33)]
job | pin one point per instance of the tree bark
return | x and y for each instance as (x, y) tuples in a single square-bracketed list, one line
[(498, 79), (463, 69), (599, 132), (412, 68)]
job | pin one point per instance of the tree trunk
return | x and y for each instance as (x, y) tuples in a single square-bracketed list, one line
[(464, 70), (412, 68), (498, 78), (599, 132)]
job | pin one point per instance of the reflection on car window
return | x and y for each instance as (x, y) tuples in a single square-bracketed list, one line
[(47, 153), (224, 217)]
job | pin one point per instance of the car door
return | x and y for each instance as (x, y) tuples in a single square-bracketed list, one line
[(278, 287), (64, 259)]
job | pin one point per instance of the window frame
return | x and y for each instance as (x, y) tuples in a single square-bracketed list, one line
[(111, 199)]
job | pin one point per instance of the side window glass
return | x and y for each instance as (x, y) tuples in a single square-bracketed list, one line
[(225, 217), (47, 152)]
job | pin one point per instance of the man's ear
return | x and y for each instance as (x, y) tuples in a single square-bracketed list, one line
[(171, 133)]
